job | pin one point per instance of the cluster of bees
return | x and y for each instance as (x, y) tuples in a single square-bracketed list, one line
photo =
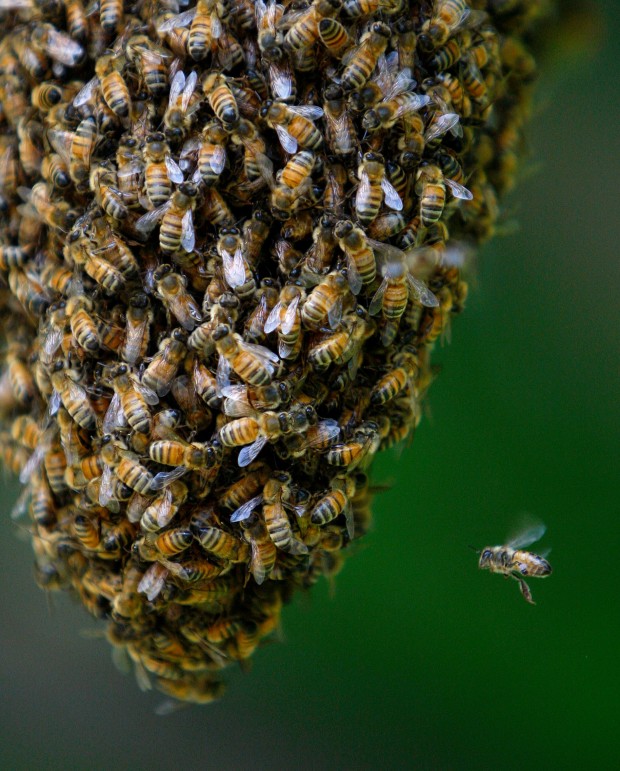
[(230, 234)]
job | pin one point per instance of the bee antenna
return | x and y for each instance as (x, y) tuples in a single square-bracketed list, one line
[(473, 548)]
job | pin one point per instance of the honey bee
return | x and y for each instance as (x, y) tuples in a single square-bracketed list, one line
[(340, 132), (138, 328), (361, 264), (46, 96), (198, 690), (180, 111), (373, 189), (76, 148), (176, 452), (206, 27), (171, 289), (254, 364), (221, 99), (334, 37), (341, 346), (163, 368), (431, 187), (87, 531), (173, 29), (511, 559), (54, 170), (255, 163), (270, 39), (448, 55), (104, 184), (132, 399), (357, 8), (293, 125), (212, 153), (57, 45), (114, 90), (361, 62), (276, 494), (334, 503), (285, 317), (73, 397), (237, 272), (150, 60), (397, 104), (111, 14), (447, 17), (177, 224), (363, 445), (304, 32), (263, 550), (220, 543), (79, 310), (326, 302), (163, 508), (55, 214), (160, 169), (255, 233)]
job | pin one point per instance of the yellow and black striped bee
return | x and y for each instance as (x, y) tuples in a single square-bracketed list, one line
[(445, 20), (104, 184), (133, 400), (512, 560), (361, 264), (363, 60), (431, 188), (304, 32), (206, 27), (73, 396), (111, 14), (334, 37), (160, 169), (221, 99), (254, 364), (183, 102), (374, 188), (114, 89), (356, 8), (212, 153), (150, 60), (334, 503), (176, 230), (326, 302), (340, 135), (165, 364), (294, 125), (83, 325), (139, 320)]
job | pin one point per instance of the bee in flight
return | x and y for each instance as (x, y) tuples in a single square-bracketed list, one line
[(512, 560)]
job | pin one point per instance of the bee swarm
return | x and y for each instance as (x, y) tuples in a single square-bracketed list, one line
[(230, 235)]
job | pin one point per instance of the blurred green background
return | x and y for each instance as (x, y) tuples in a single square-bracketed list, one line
[(418, 660)]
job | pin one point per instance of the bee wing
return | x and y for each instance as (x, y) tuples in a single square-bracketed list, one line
[(244, 511), (273, 320), (147, 222), (136, 507), (174, 170), (268, 357), (392, 199), (341, 128), (528, 532), (387, 69), (445, 122), (149, 396), (61, 142), (234, 268), (217, 160), (222, 375), (309, 111), (281, 79), (256, 564), (350, 520), (363, 190), (164, 478), (114, 416), (216, 26), (249, 453), (53, 406), (86, 93), (32, 464), (53, 339), (176, 88), (458, 191), (188, 235), (164, 508), (328, 430), (237, 408), (422, 292), (415, 103), (377, 301), (288, 142), (353, 276), (178, 20), (188, 90), (290, 316), (334, 315), (106, 487), (402, 82), (389, 252), (152, 582)]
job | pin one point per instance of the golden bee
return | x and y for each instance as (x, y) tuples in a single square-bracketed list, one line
[(221, 99), (356, 8), (171, 288), (163, 368), (212, 153), (139, 319), (304, 31), (360, 64), (294, 125), (374, 188), (431, 187), (326, 302), (176, 230), (160, 169), (445, 20), (183, 102), (254, 364), (512, 560)]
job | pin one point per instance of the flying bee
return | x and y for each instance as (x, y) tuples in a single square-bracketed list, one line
[(139, 319), (304, 32), (361, 264), (340, 131), (113, 87), (57, 45), (293, 125), (212, 153), (360, 62), (179, 114), (163, 368), (285, 317), (270, 39), (511, 559), (236, 269), (73, 397), (221, 99), (326, 302), (160, 169), (431, 188), (132, 398), (374, 187), (254, 364), (150, 60), (171, 289), (447, 17), (177, 224)]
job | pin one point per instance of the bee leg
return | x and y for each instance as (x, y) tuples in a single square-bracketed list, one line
[(525, 590)]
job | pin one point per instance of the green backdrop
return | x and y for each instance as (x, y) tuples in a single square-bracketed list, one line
[(419, 660)]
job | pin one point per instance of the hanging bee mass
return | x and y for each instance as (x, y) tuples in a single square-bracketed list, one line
[(230, 234)]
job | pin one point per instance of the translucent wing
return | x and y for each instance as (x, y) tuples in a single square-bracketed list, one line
[(85, 94), (458, 191), (529, 532), (164, 508), (441, 125), (222, 375), (249, 454), (257, 567), (114, 416), (281, 79), (216, 27), (61, 142), (376, 304), (179, 20), (234, 268), (245, 511), (363, 190), (334, 315), (326, 431), (273, 320), (353, 276), (217, 160), (290, 316), (269, 358), (402, 82), (164, 478), (309, 111), (149, 396), (176, 88), (188, 235), (32, 464), (422, 292), (392, 199), (350, 521), (288, 142), (152, 581), (174, 170), (106, 487), (147, 222), (188, 90)]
